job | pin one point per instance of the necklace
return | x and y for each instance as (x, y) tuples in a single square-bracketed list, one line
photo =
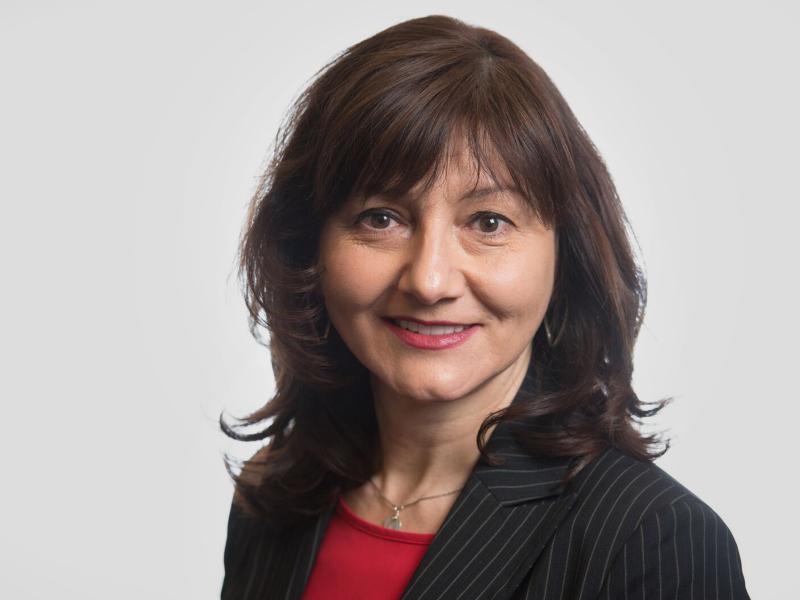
[(393, 520)]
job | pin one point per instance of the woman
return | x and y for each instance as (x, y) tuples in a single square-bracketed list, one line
[(442, 262)]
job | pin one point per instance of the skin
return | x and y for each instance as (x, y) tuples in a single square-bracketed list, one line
[(431, 257)]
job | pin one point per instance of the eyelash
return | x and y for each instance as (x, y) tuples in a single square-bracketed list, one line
[(478, 215)]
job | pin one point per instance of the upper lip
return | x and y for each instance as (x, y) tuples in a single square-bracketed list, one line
[(421, 322)]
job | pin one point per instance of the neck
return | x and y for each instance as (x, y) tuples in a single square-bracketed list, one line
[(429, 447)]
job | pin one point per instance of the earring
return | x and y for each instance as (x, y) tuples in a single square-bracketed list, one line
[(319, 302), (548, 333), (327, 329)]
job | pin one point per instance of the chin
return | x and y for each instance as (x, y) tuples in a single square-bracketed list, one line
[(434, 391)]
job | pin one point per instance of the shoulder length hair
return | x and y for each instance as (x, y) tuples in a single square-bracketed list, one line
[(379, 118)]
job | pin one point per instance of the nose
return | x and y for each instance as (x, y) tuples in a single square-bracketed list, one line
[(432, 268)]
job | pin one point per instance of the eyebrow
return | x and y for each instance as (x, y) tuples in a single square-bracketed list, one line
[(486, 191), (475, 194)]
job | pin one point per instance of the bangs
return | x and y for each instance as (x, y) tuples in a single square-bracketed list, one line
[(405, 124), (405, 166)]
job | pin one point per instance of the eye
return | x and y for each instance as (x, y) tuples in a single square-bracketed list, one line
[(493, 222), (376, 220)]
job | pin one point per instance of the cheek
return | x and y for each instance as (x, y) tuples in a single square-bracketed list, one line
[(521, 285), (350, 279)]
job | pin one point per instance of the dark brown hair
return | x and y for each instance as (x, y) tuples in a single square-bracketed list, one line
[(380, 118)]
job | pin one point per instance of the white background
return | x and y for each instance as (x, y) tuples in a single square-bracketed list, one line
[(131, 137)]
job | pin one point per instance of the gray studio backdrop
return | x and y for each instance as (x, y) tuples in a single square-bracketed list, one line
[(131, 136)]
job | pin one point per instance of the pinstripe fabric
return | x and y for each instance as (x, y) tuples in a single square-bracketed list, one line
[(635, 532), (623, 529)]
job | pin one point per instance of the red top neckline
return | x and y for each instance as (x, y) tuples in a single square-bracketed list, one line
[(396, 535)]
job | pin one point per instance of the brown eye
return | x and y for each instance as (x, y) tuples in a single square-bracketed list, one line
[(491, 223), (379, 220), (376, 220)]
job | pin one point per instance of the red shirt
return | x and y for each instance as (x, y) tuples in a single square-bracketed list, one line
[(358, 559)]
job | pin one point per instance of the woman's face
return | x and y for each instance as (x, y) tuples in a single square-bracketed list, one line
[(483, 261)]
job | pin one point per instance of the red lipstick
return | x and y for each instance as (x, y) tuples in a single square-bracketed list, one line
[(431, 342)]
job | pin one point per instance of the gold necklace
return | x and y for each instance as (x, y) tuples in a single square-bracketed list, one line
[(393, 520)]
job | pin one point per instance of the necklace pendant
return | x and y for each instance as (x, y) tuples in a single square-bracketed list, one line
[(393, 522)]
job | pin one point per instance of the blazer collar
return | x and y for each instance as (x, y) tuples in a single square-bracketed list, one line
[(494, 532), (522, 477)]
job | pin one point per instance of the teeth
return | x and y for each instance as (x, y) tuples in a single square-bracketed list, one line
[(429, 330)]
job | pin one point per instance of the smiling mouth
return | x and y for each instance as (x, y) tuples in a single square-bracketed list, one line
[(428, 329)]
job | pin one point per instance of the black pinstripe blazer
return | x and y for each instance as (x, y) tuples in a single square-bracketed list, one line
[(622, 529)]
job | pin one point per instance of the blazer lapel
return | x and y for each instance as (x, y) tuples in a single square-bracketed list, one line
[(497, 527), (300, 552), (494, 532)]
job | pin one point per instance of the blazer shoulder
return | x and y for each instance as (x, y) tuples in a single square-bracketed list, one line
[(615, 479), (238, 538), (624, 509), (648, 531), (615, 492)]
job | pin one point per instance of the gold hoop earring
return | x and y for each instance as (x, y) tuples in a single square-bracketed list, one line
[(317, 298), (548, 333), (327, 329)]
